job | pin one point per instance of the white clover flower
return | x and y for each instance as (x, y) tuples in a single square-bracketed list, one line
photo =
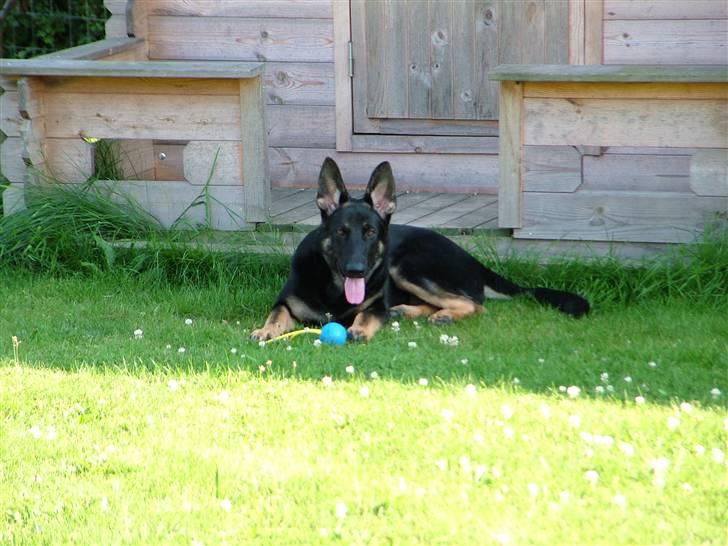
[(599, 389), (349, 369), (172, 385), (639, 400), (317, 343), (453, 341), (188, 321), (226, 505), (233, 351), (444, 338), (715, 392), (374, 375), (261, 344), (35, 432), (610, 388), (224, 397), (464, 361), (718, 455), (540, 360), (447, 414), (441, 464), (516, 381), (626, 448), (545, 411), (480, 471), (573, 391), (51, 433), (471, 390), (327, 381), (652, 364), (673, 422), (341, 510), (604, 377), (627, 379), (687, 487), (575, 421), (416, 324), (562, 388), (564, 497), (168, 346), (686, 407), (592, 476), (423, 382), (533, 490), (364, 392), (506, 411), (412, 344), (395, 326), (620, 500), (181, 350), (508, 432), (699, 450), (262, 368), (138, 333), (104, 504)]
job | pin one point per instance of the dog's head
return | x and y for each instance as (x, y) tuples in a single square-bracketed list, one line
[(355, 229)]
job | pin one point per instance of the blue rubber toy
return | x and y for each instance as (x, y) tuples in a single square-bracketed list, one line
[(333, 333)]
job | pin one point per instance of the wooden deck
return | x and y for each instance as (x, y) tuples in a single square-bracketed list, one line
[(462, 212)]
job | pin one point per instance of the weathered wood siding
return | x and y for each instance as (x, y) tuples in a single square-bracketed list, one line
[(295, 38)]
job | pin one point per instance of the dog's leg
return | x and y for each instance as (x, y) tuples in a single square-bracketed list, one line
[(454, 308), (279, 322), (413, 311), (365, 325)]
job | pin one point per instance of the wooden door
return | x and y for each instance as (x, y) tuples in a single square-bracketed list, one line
[(420, 67)]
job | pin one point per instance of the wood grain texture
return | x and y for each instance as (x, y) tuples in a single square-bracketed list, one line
[(623, 216), (71, 159), (426, 144), (628, 122), (200, 156), (297, 167), (709, 172), (310, 84), (342, 36), (256, 178), (611, 73), (170, 165), (301, 126), (551, 168), (240, 38), (101, 49), (11, 159), (651, 91), (9, 114), (510, 181), (637, 172), (576, 31), (669, 41), (13, 198), (100, 85), (665, 9), (593, 32), (299, 9)]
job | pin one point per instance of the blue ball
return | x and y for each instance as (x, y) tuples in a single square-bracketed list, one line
[(333, 333)]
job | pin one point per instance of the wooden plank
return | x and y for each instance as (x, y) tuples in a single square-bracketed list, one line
[(124, 69), (643, 172), (510, 181), (450, 213), (9, 114), (556, 30), (256, 179), (69, 159), (709, 172), (482, 93), (240, 38), (291, 201), (485, 217), (344, 105), (116, 7), (702, 41), (13, 198), (300, 9), (415, 214), (136, 158), (199, 158), (301, 126), (652, 91), (32, 108), (310, 84), (299, 167), (417, 64), (173, 117), (372, 51), (115, 27), (576, 32), (11, 159), (551, 168), (624, 216), (665, 9), (426, 144), (607, 73), (613, 122), (168, 161), (593, 32), (101, 49), (142, 86), (441, 66)]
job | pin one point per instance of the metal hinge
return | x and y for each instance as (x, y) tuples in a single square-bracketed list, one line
[(350, 66)]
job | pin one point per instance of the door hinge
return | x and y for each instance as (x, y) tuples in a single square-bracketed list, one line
[(350, 66)]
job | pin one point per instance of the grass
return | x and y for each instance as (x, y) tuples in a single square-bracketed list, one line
[(109, 437)]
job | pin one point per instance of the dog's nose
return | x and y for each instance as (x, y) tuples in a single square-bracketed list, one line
[(356, 269)]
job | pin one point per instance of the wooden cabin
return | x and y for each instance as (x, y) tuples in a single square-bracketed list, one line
[(577, 120)]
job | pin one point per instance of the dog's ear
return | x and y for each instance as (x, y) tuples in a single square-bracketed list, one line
[(331, 190), (380, 191)]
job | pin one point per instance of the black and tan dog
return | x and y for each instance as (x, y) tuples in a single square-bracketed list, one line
[(357, 269)]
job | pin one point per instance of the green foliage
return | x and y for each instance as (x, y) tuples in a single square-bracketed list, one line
[(37, 27)]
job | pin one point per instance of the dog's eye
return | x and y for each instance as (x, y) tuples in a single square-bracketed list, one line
[(342, 232), (369, 232)]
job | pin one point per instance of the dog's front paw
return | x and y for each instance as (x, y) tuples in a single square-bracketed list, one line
[(263, 334), (359, 334)]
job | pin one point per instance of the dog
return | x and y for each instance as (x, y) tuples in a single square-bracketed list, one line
[(358, 269)]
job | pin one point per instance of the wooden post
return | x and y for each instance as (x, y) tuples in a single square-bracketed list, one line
[(32, 127), (511, 139), (256, 181)]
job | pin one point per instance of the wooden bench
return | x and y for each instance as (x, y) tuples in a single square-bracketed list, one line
[(167, 116), (657, 134)]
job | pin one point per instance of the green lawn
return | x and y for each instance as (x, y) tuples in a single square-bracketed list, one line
[(106, 438)]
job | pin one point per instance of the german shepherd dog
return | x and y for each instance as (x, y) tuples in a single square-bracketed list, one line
[(358, 270)]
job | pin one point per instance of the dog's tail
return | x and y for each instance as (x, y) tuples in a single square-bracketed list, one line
[(566, 302)]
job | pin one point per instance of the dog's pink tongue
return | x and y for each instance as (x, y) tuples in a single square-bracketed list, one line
[(354, 290)]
